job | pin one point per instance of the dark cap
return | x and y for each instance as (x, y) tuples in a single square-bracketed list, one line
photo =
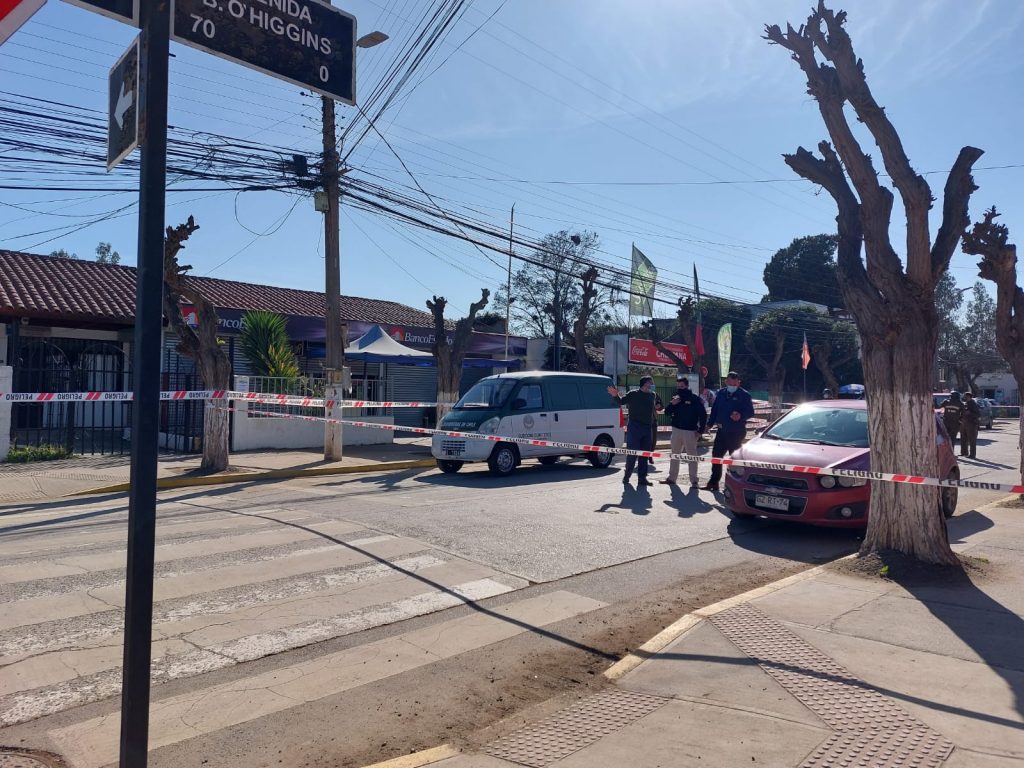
[(732, 375), (682, 377), (646, 379)]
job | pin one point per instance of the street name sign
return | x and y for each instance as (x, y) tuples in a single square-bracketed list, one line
[(122, 10), (14, 13), (306, 42), (123, 106)]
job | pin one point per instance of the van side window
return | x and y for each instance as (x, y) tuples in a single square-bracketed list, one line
[(531, 395), (563, 395), (594, 394)]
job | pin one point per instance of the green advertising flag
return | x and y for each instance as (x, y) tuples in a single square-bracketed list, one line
[(724, 348), (641, 286)]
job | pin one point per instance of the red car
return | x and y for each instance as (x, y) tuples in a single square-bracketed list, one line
[(827, 433)]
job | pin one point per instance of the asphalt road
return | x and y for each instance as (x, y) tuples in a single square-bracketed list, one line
[(259, 580)]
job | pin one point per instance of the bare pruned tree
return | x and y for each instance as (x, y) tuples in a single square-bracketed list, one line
[(449, 356), (894, 307), (999, 264), (200, 344)]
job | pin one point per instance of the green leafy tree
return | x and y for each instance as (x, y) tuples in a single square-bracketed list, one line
[(265, 345), (805, 269), (105, 254), (61, 253), (558, 286)]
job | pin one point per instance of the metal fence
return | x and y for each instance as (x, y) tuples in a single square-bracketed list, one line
[(374, 389), (72, 365)]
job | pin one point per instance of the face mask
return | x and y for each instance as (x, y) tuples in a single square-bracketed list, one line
[(731, 388)]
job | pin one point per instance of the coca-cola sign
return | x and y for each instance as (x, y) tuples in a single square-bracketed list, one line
[(644, 352)]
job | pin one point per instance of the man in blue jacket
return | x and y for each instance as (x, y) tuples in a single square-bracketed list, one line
[(732, 409), (689, 417)]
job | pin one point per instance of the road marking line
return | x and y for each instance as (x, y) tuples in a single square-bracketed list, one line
[(94, 743)]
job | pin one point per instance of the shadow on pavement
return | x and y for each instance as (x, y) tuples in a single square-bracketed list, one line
[(687, 501), (846, 681), (968, 524), (466, 601), (793, 541), (634, 500), (982, 623), (530, 473)]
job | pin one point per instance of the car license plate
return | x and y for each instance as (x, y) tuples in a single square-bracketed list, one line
[(452, 452), (780, 503)]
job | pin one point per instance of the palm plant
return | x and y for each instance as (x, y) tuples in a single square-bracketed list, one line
[(265, 345)]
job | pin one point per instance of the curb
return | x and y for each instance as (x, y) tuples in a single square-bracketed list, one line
[(686, 622), (417, 759), (250, 477)]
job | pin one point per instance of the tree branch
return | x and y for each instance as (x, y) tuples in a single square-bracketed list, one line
[(955, 216)]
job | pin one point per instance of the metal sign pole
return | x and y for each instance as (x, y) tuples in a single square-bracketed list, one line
[(138, 620)]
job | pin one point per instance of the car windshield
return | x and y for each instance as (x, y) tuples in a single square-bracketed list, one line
[(822, 425), (488, 393)]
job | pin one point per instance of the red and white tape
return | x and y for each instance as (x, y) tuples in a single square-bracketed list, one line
[(208, 394), (727, 462)]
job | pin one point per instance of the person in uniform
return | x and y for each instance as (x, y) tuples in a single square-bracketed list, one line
[(970, 420), (952, 409), (732, 409)]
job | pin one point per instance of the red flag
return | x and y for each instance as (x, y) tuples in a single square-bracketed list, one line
[(805, 353)]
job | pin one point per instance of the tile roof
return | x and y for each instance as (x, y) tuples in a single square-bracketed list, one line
[(52, 288)]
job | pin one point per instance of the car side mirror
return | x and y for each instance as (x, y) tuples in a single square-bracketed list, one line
[(518, 404)]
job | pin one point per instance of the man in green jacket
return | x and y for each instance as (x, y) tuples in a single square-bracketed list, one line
[(641, 403)]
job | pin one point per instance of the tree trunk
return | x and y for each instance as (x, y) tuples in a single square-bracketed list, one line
[(999, 264), (822, 353), (201, 345), (901, 424)]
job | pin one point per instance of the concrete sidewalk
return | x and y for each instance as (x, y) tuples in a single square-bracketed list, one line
[(837, 666), (39, 481)]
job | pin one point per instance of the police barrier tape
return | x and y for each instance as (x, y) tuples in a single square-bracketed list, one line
[(208, 394), (761, 407), (726, 462)]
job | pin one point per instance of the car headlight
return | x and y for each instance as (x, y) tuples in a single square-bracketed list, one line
[(490, 426), (827, 481), (852, 482), (738, 471)]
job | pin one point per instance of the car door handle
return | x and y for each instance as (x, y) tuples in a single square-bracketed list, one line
[(556, 417), (543, 415)]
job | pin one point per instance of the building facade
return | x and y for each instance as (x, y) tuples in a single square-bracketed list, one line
[(66, 325)]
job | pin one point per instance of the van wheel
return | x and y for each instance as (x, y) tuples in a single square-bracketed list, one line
[(949, 496), (448, 466), (602, 460), (547, 461), (503, 460)]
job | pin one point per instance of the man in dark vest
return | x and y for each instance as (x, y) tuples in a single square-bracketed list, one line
[(641, 403)]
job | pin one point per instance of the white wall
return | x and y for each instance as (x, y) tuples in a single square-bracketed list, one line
[(6, 381), (250, 434)]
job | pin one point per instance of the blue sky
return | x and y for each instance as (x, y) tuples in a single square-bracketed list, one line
[(641, 104)]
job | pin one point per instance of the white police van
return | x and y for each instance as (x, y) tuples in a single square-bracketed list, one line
[(541, 405)]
